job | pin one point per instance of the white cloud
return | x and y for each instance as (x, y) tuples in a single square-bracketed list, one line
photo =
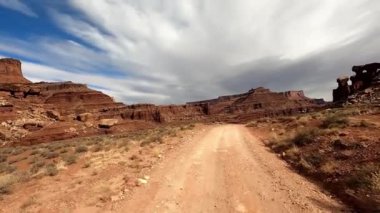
[(118, 88), (176, 51), (17, 5)]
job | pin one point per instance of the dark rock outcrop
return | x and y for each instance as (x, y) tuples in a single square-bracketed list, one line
[(364, 87)]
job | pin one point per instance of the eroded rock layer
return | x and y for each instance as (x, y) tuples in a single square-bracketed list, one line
[(41, 112)]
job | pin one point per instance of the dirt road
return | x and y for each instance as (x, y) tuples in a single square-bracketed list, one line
[(226, 169)]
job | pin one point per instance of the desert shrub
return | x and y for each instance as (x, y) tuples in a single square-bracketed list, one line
[(335, 121), (86, 165), (96, 148), (49, 154), (123, 143), (70, 159), (152, 139), (329, 167), (90, 143), (315, 159), (303, 120), (17, 151), (364, 123), (364, 177), (6, 151), (306, 136), (6, 168), (3, 158), (33, 160), (36, 166), (35, 152), (352, 112), (63, 151), (250, 124), (304, 165), (107, 148), (51, 170), (80, 149), (53, 147), (292, 153), (375, 181), (22, 176), (14, 160), (280, 145), (6, 182), (286, 119)]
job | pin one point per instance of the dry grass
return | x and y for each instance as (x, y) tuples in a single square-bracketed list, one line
[(51, 170), (81, 148), (6, 168), (3, 158), (6, 182), (70, 159), (293, 153), (306, 136), (329, 167), (335, 121), (375, 181)]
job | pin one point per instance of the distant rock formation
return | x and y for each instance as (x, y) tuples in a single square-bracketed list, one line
[(10, 72), (41, 112), (364, 85), (256, 103)]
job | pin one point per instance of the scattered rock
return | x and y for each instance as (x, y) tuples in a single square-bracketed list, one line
[(141, 181), (108, 123), (85, 117), (54, 115), (2, 136), (341, 144)]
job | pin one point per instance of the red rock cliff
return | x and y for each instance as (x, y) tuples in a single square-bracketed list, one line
[(10, 72)]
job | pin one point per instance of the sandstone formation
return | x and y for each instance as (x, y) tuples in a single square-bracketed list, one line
[(10, 72), (41, 112), (256, 103), (364, 87)]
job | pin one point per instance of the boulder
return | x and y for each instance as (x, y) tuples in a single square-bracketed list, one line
[(107, 123), (53, 115), (85, 117), (343, 90), (2, 136)]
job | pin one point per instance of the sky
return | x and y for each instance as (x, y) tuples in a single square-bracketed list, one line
[(165, 51)]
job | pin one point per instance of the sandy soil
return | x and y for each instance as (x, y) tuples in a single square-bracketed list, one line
[(226, 169)]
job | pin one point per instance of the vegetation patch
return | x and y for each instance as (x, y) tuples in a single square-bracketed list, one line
[(70, 159), (335, 121), (51, 170), (6, 182), (81, 148)]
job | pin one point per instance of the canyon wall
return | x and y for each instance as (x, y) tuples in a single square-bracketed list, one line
[(40, 112)]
